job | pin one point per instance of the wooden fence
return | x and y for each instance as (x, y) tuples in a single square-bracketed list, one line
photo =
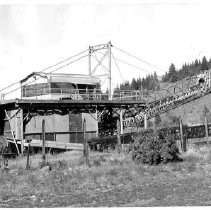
[(183, 134)]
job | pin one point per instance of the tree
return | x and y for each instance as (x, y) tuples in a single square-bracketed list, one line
[(107, 125), (204, 64), (172, 73)]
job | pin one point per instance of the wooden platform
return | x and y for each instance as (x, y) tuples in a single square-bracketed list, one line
[(71, 104)]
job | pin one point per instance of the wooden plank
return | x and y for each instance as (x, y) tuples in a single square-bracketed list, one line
[(56, 145)]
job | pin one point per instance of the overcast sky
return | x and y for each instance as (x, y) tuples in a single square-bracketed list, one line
[(36, 35)]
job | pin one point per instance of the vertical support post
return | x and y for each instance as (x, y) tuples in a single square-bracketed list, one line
[(97, 132), (27, 162), (206, 129), (182, 136), (121, 122), (90, 67), (145, 121), (43, 140), (109, 69), (21, 130), (85, 143), (118, 136)]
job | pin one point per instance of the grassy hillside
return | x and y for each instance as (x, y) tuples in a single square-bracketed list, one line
[(190, 113)]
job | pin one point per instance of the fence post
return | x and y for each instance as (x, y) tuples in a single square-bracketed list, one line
[(118, 136), (206, 129), (183, 140), (121, 122), (85, 143), (27, 161), (145, 121), (43, 140)]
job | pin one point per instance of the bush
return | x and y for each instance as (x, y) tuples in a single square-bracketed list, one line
[(154, 148)]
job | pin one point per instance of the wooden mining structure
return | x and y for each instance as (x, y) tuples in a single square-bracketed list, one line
[(63, 101)]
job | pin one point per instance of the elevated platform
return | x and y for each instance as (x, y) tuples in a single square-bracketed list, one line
[(71, 104)]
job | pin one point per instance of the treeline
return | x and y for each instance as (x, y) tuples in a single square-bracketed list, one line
[(187, 70), (151, 82)]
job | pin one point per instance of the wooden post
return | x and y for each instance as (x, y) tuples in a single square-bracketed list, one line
[(97, 128), (85, 143), (121, 122), (182, 136), (27, 162), (145, 121), (21, 130), (118, 136), (206, 129), (43, 140)]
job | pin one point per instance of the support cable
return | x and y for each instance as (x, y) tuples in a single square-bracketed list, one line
[(117, 67), (51, 66), (49, 73), (137, 58), (129, 64)]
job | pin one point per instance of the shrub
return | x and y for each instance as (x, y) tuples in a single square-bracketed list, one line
[(154, 148)]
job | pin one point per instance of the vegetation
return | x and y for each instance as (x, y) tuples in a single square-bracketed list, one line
[(108, 124), (151, 82), (113, 179), (152, 148)]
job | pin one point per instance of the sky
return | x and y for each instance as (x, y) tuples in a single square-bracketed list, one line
[(38, 34)]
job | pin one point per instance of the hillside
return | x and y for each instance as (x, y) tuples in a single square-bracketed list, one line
[(191, 113)]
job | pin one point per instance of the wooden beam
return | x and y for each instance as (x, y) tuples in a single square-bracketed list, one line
[(14, 140), (21, 130), (43, 140), (121, 122)]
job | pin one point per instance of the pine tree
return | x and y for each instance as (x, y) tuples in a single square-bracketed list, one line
[(172, 73), (204, 65)]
